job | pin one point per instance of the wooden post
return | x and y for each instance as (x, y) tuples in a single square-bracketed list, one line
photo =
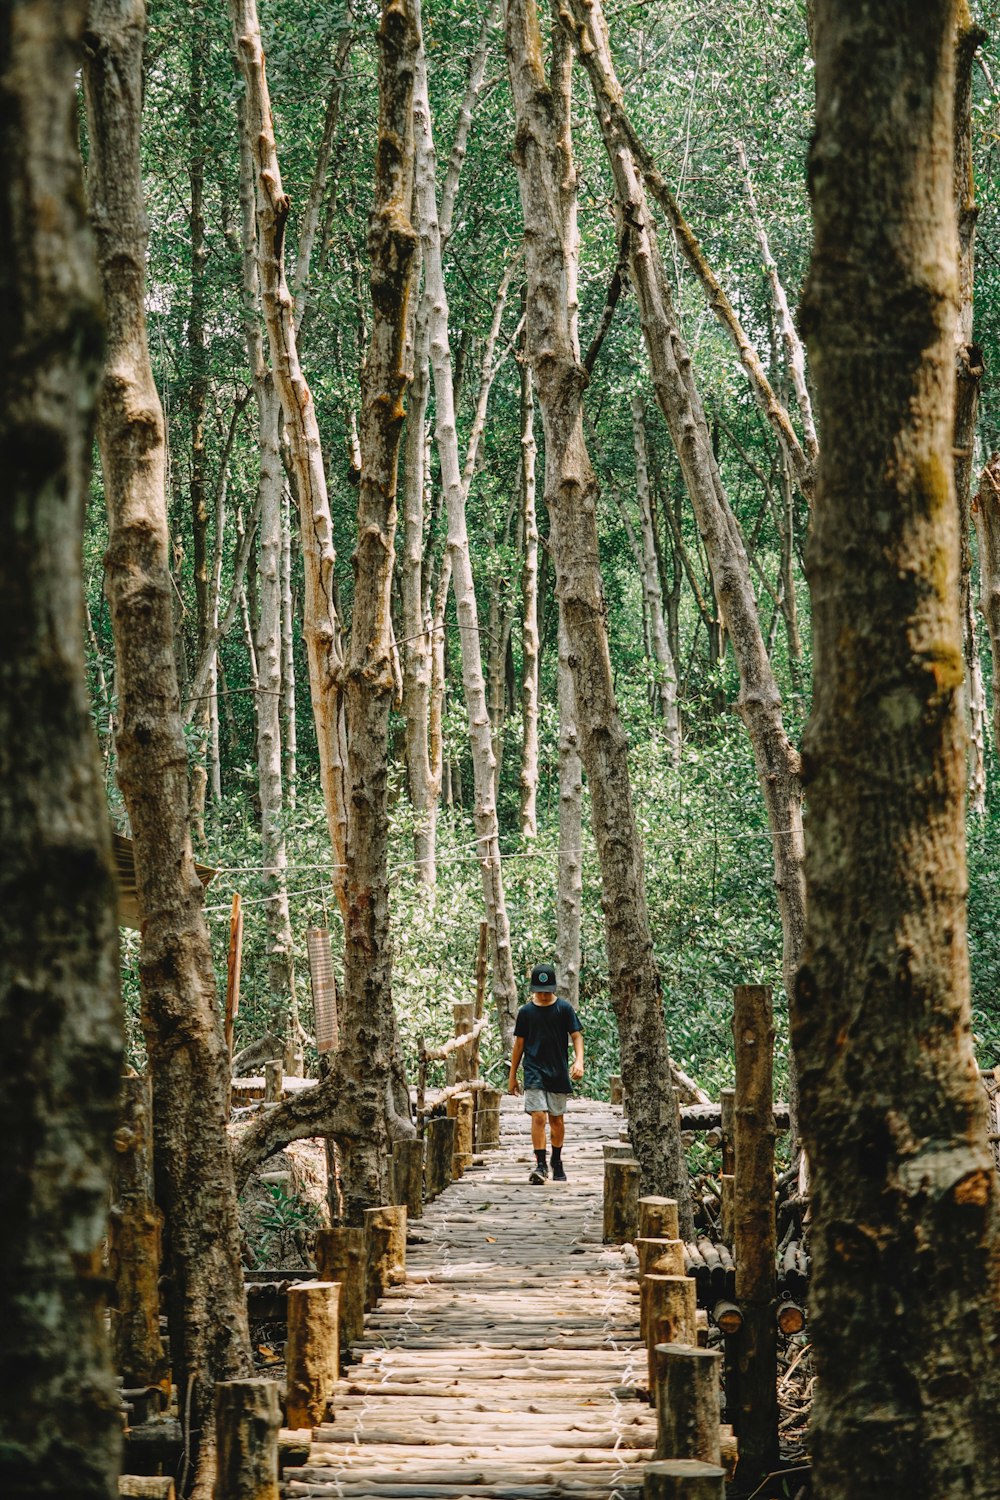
[(134, 1244), (683, 1479), (658, 1219), (727, 1098), (668, 1314), (408, 1176), (340, 1257), (615, 1087), (440, 1137), (247, 1420), (385, 1250), (754, 1235), (488, 1119), (621, 1202), (274, 1081), (459, 1108), (145, 1487), (312, 1353), (618, 1151), (660, 1257), (687, 1403)]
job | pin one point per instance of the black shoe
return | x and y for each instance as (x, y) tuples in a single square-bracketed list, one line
[(558, 1175), (538, 1174)]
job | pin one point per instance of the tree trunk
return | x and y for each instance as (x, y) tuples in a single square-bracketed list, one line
[(197, 403), (483, 762), (986, 511), (969, 371), (322, 624), (569, 899), (529, 610), (666, 671), (283, 1007), (905, 1285), (288, 725), (571, 496), (59, 1007), (368, 1033), (187, 1061), (759, 701)]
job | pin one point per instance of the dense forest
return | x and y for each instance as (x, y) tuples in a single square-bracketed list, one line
[(545, 473)]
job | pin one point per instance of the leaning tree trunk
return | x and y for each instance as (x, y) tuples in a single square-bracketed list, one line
[(483, 761), (905, 1288), (368, 1033), (59, 1008), (530, 647), (283, 1007), (666, 671), (986, 510), (759, 702), (322, 624), (569, 889), (194, 1174), (571, 493)]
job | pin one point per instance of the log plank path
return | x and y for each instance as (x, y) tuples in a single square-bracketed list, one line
[(510, 1364)]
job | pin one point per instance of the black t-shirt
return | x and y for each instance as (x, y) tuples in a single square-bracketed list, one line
[(546, 1029)]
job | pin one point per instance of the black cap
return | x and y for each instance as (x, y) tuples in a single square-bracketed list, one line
[(543, 979)]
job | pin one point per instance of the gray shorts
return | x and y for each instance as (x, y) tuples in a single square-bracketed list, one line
[(537, 1101)]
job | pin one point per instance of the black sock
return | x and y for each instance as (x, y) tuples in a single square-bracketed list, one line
[(540, 1156), (557, 1156)]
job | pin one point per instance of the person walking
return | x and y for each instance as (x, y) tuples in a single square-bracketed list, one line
[(541, 1031)]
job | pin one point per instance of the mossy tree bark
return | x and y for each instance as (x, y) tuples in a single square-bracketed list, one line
[(59, 1007), (187, 1059), (905, 1288), (571, 491)]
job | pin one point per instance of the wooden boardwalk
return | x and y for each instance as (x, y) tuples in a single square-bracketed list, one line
[(507, 1367)]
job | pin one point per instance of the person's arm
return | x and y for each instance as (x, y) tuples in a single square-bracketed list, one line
[(513, 1086), (576, 1071)]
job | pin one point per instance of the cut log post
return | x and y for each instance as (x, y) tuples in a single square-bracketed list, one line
[(385, 1248), (754, 1235), (687, 1403), (439, 1133), (668, 1313), (790, 1317), (341, 1257), (247, 1421), (621, 1202), (618, 1151), (274, 1081), (658, 1219), (146, 1487), (134, 1244), (460, 1110), (683, 1479), (617, 1091), (408, 1176), (488, 1120), (660, 1258), (727, 1316), (312, 1353)]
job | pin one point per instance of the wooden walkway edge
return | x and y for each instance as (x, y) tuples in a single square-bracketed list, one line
[(508, 1366)]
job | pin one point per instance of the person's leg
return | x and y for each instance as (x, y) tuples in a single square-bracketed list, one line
[(538, 1130), (557, 1131)]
